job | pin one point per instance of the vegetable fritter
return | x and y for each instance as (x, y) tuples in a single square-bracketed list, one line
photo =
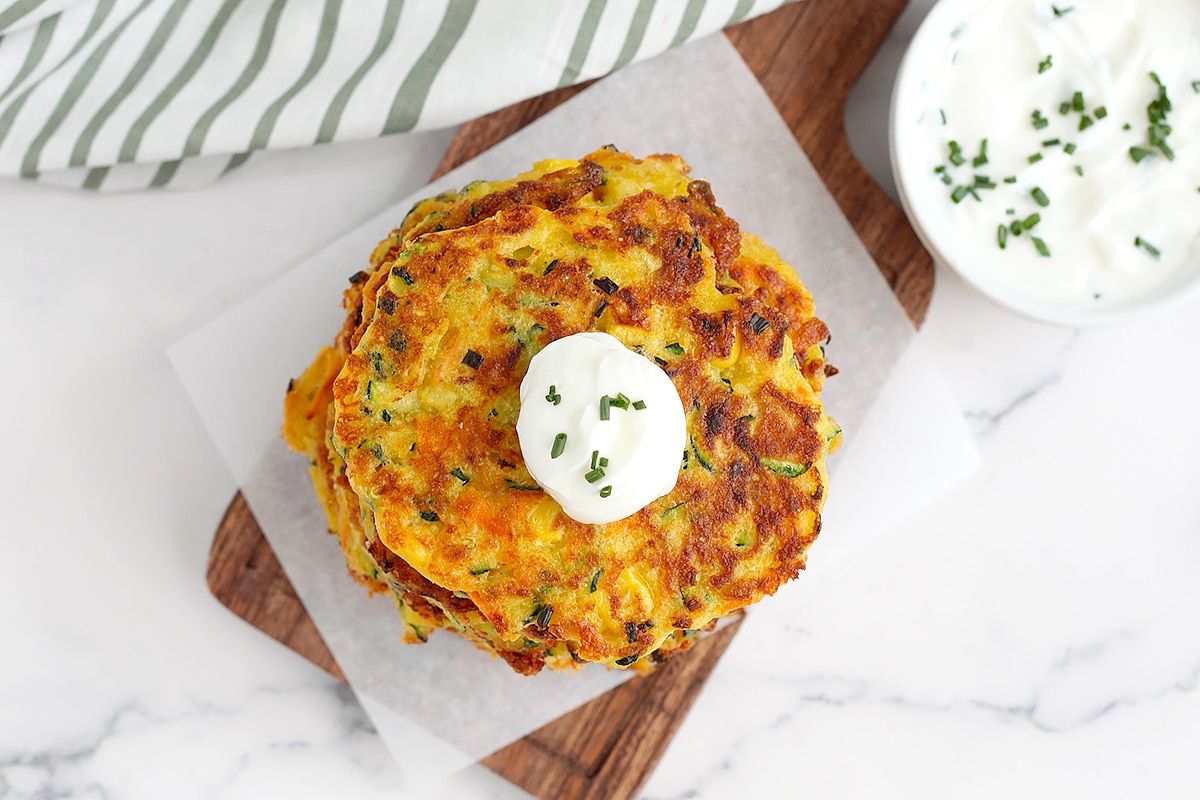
[(409, 419)]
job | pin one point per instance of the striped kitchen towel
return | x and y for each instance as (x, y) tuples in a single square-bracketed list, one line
[(128, 94)]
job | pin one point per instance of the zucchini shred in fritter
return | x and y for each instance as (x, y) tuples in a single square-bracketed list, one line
[(409, 418)]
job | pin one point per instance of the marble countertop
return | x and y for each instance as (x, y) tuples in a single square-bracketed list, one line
[(1032, 633)]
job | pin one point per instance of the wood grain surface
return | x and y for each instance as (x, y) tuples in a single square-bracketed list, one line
[(807, 56)]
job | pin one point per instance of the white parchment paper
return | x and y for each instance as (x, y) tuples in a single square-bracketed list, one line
[(444, 703)]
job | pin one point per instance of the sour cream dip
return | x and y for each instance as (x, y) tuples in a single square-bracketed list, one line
[(1052, 150), (601, 428)]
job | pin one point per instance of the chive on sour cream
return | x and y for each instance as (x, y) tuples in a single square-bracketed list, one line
[(1050, 152), (601, 427)]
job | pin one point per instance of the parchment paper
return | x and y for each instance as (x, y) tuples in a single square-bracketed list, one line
[(700, 101)]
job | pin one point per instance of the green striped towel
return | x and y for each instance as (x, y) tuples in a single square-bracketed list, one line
[(129, 94)]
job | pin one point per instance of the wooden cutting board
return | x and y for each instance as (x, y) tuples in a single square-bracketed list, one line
[(808, 56)]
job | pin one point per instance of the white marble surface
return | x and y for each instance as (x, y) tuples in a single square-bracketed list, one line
[(1032, 634)]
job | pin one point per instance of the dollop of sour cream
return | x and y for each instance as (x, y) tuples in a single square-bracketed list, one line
[(641, 444), (1070, 199)]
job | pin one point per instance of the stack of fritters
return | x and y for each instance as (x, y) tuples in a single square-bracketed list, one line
[(409, 420)]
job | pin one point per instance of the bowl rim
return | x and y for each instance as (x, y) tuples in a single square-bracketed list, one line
[(953, 251)]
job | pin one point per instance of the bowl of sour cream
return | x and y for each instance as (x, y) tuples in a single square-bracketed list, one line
[(1050, 153)]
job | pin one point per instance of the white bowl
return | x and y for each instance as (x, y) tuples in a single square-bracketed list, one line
[(926, 204)]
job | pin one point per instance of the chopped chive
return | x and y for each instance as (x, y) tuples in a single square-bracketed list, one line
[(1079, 170), (758, 324), (639, 405), (940, 168), (1069, 148), (1101, 112), (942, 111), (1139, 153), (626, 661), (1149, 248), (982, 158), (1065, 108), (1010, 211), (603, 462), (1041, 246), (543, 617), (984, 182), (1159, 133), (595, 458), (1196, 87), (1002, 236), (662, 362), (1011, 179), (959, 194), (472, 359), (1085, 122), (606, 491), (1155, 112), (1077, 101), (462, 476), (553, 396), (600, 308), (1040, 122), (1040, 197), (560, 444), (1036, 157), (402, 274), (620, 401), (605, 403), (594, 475), (1051, 142), (1062, 12), (956, 156), (387, 417), (429, 516), (1016, 227), (606, 285), (521, 487), (946, 179), (674, 348), (550, 267), (1031, 221), (1045, 64), (595, 580)]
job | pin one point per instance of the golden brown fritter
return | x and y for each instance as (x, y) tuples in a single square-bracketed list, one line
[(435, 500)]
